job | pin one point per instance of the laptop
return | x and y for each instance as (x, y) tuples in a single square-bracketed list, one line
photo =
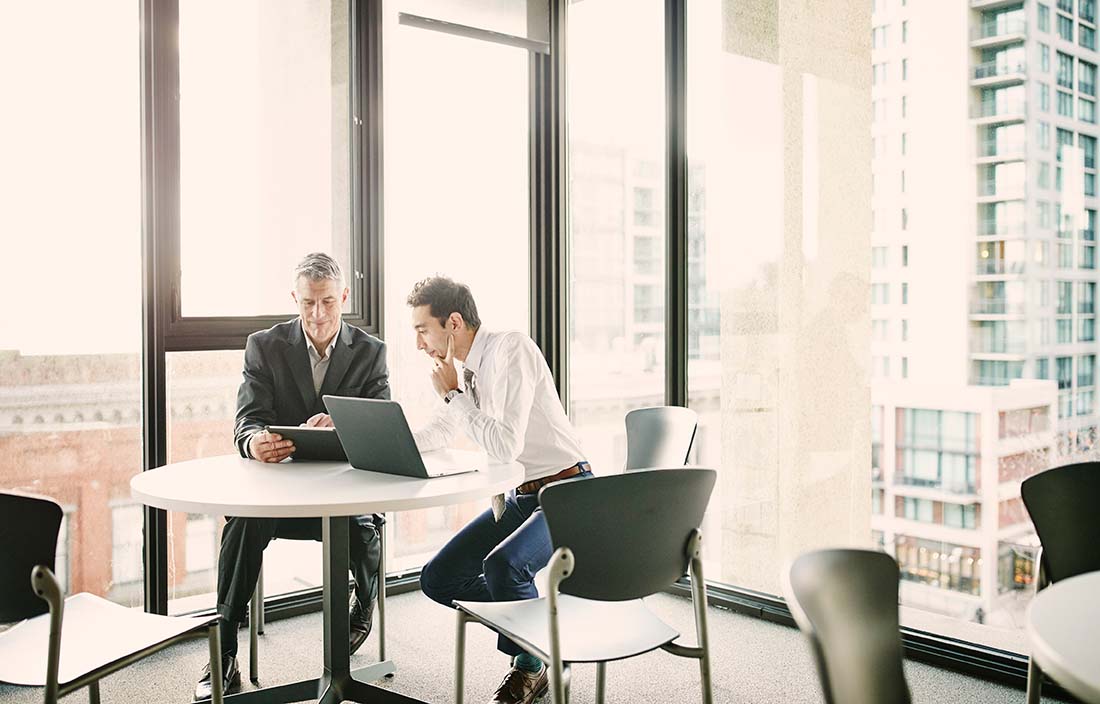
[(312, 443), (377, 438)]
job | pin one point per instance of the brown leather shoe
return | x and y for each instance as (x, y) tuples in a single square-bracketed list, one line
[(520, 687)]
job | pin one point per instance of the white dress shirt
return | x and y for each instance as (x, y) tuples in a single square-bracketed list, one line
[(520, 417), (316, 361)]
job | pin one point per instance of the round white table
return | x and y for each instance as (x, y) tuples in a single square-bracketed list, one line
[(232, 486), (1063, 629)]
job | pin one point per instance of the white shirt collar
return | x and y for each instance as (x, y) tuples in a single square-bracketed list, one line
[(313, 350), (477, 349)]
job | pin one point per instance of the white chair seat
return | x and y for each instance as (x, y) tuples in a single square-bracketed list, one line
[(591, 631), (94, 633)]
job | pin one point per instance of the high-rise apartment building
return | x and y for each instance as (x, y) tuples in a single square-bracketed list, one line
[(983, 271)]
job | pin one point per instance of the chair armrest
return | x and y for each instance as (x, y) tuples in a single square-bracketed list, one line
[(47, 588)]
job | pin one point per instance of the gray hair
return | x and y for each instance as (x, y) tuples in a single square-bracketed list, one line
[(318, 266)]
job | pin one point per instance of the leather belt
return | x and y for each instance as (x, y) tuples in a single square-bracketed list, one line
[(534, 485)]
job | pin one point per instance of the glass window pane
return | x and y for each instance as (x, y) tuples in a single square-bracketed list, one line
[(70, 341), (264, 149), (1019, 305), (777, 282), (617, 220), (202, 404), (457, 204)]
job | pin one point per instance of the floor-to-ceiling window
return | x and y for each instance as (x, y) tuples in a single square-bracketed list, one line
[(456, 203), (617, 241), (778, 254), (265, 178), (70, 331)]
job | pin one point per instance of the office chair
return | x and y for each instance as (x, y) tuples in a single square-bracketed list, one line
[(659, 436), (1063, 504), (65, 644), (256, 607), (846, 602), (618, 538)]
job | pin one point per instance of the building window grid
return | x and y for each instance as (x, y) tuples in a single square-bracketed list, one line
[(1086, 10), (1086, 37), (1086, 78), (1065, 28), (1065, 104)]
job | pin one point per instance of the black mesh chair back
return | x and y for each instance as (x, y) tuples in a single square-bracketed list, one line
[(847, 602), (28, 537), (1064, 504), (660, 436), (628, 532)]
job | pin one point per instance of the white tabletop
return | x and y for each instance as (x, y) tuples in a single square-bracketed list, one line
[(230, 485), (1063, 629)]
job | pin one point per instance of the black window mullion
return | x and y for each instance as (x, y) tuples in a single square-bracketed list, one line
[(367, 162), (549, 201), (676, 216), (160, 220)]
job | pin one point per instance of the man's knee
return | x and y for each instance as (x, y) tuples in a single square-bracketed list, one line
[(248, 530), (435, 584), (503, 573)]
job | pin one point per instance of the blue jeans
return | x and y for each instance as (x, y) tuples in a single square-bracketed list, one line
[(491, 561)]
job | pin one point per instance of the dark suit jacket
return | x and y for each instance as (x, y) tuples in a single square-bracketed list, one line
[(278, 379)]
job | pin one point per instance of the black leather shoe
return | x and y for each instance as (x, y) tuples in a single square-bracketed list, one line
[(361, 621), (231, 678)]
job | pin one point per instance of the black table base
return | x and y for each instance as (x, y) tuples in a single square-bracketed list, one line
[(337, 682)]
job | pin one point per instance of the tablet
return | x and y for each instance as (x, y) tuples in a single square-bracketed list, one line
[(312, 443)]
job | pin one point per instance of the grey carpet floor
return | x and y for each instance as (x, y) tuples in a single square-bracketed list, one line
[(755, 662)]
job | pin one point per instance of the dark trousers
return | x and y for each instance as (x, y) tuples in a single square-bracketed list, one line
[(241, 556), (490, 561)]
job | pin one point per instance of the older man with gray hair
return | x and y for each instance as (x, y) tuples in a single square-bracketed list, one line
[(287, 370)]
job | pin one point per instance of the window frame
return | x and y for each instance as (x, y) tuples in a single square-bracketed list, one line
[(198, 333)]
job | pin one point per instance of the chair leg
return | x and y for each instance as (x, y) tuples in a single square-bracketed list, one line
[(381, 592), (561, 567), (699, 600), (254, 630), (260, 608), (93, 692), (1034, 682), (601, 682), (460, 655)]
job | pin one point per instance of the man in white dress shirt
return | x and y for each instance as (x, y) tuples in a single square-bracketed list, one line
[(508, 405)]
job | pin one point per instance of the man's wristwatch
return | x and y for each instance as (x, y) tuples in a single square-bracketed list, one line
[(449, 396)]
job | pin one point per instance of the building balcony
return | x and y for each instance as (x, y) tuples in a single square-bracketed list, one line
[(990, 151), (999, 267), (998, 32), (996, 306), (992, 4), (958, 488), (990, 381), (991, 73), (979, 346), (989, 191), (987, 228), (999, 112)]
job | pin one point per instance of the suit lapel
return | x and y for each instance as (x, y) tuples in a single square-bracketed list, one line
[(300, 368), (341, 360)]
